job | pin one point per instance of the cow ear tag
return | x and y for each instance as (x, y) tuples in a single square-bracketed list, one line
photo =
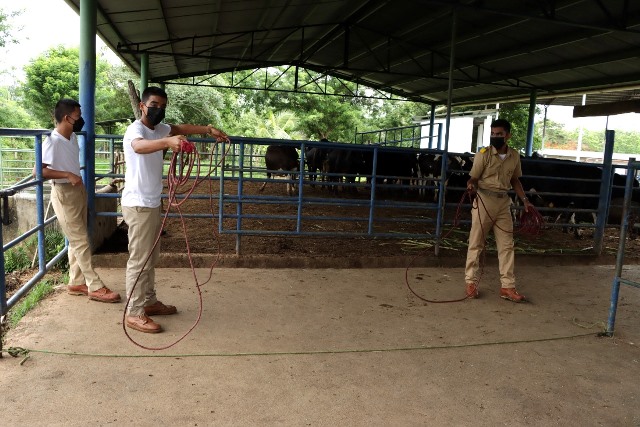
[(483, 149)]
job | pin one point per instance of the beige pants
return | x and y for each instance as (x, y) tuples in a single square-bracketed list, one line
[(492, 213), (144, 228), (70, 205)]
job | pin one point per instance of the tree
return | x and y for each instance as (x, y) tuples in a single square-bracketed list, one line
[(12, 115), (55, 75), (329, 116), (518, 116), (6, 29)]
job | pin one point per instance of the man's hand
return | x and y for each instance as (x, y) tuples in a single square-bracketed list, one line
[(175, 142), (527, 203), (74, 179), (471, 186), (217, 134)]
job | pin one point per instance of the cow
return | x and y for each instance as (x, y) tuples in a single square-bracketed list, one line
[(314, 158), (458, 167), (282, 158), (393, 169), (568, 185), (343, 164)]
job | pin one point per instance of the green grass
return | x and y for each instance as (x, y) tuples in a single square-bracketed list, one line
[(37, 294), (19, 258)]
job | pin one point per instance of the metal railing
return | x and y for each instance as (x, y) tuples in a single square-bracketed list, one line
[(633, 169), (388, 206), (403, 137)]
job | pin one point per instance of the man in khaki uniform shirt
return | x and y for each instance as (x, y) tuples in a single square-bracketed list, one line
[(495, 171)]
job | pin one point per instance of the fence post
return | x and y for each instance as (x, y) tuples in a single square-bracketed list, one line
[(3, 295), (605, 192), (624, 226)]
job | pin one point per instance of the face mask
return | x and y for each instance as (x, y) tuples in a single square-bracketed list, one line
[(78, 124), (155, 115), (497, 141)]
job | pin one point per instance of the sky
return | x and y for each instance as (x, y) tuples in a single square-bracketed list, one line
[(47, 23), (41, 25)]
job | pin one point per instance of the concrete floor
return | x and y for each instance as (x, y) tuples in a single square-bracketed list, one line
[(326, 347)]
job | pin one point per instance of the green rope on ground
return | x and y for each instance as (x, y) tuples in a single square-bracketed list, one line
[(16, 351), (601, 324)]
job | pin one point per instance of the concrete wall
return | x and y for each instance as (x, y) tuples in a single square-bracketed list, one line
[(23, 217)]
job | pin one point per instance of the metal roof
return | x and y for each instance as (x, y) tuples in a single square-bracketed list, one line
[(502, 49)]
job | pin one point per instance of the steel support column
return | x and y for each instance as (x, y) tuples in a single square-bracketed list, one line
[(144, 71), (88, 30), (605, 192), (531, 122), (443, 175)]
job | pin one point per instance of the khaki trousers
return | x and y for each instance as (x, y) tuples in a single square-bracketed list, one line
[(491, 213), (144, 228), (70, 205)]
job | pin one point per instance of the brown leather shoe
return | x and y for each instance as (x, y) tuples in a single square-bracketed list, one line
[(104, 294), (512, 295), (472, 290), (77, 290), (160, 309), (143, 323)]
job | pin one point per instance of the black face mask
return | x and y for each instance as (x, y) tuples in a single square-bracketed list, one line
[(78, 124), (497, 141), (155, 115)]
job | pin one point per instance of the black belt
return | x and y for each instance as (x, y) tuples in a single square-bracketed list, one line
[(493, 193)]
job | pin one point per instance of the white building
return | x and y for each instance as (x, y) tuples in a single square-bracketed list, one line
[(468, 131)]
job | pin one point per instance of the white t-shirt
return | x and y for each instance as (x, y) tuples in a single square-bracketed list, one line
[(143, 175), (61, 154)]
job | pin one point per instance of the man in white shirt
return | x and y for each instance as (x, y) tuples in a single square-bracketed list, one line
[(144, 143), (61, 164)]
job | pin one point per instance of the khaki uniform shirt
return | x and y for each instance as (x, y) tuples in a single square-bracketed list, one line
[(494, 173)]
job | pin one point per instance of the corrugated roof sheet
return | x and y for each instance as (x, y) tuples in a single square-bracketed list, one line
[(502, 49)]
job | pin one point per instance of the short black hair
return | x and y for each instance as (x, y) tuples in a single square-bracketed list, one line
[(64, 107), (153, 90), (501, 123)]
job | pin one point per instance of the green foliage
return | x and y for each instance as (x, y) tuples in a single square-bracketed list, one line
[(54, 242), (50, 77), (55, 75), (20, 256), (518, 116), (37, 294), (6, 28), (16, 259), (192, 104), (556, 136), (12, 114)]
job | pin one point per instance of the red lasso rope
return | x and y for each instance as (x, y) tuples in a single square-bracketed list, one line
[(179, 175)]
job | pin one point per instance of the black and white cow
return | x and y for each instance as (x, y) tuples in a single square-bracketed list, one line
[(568, 185)]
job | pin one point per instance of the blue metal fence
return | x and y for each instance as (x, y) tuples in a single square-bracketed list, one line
[(633, 168), (387, 206)]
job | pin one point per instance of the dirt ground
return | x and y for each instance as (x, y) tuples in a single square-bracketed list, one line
[(203, 238), (326, 347)]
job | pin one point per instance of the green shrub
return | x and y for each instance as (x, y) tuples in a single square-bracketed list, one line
[(20, 257), (54, 242), (16, 259)]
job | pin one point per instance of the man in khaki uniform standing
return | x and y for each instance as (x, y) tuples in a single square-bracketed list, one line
[(61, 164), (495, 171)]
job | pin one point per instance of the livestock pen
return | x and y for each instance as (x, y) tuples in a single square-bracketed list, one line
[(372, 202), (384, 194)]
